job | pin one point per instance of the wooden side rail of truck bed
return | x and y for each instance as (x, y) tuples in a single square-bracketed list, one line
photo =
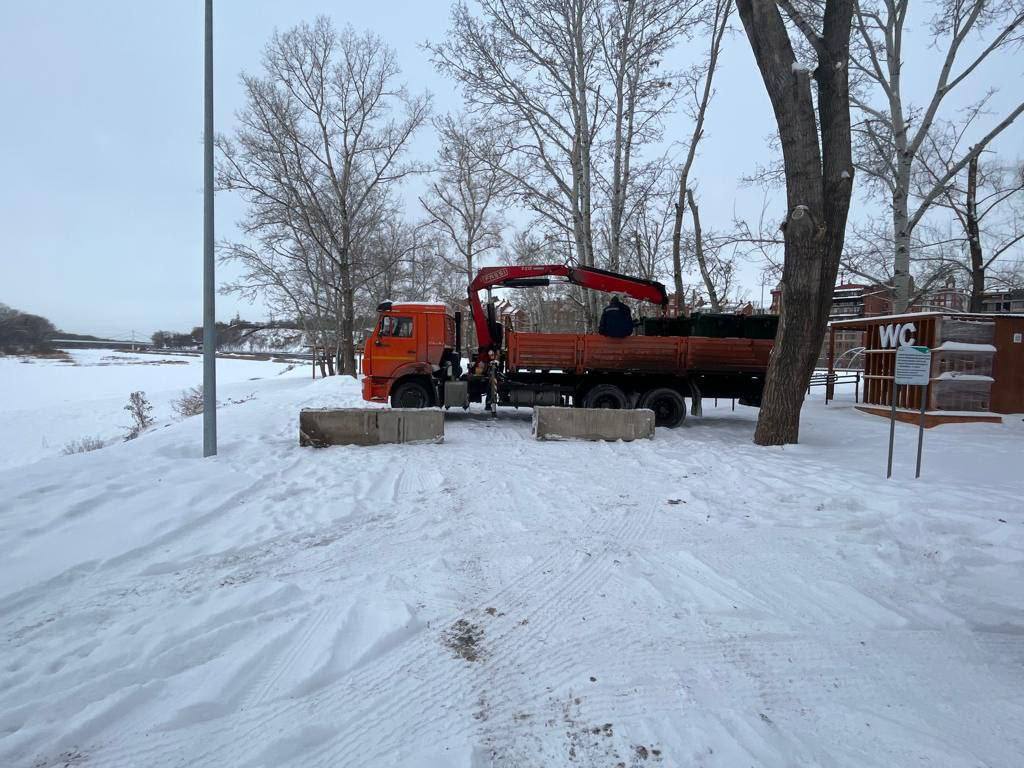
[(578, 353)]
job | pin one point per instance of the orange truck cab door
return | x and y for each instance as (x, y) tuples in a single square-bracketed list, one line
[(393, 345), (409, 340)]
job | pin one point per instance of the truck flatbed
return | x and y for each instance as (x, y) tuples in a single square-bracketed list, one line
[(580, 353)]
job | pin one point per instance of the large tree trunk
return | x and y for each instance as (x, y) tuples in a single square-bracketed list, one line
[(618, 192), (904, 158), (348, 300), (348, 345), (901, 237), (583, 181), (818, 185), (974, 238), (832, 78), (977, 288)]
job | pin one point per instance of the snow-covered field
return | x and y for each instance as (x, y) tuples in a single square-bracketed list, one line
[(493, 601), (46, 404)]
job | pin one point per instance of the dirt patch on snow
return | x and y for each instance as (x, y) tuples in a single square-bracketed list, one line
[(67, 759), (464, 639)]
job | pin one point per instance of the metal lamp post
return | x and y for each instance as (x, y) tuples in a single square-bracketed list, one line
[(209, 294)]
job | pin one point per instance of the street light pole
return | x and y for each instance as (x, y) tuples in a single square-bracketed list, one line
[(209, 294)]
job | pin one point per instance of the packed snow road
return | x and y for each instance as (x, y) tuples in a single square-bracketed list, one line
[(492, 601)]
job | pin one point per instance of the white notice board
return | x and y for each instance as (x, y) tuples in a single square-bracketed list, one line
[(913, 366)]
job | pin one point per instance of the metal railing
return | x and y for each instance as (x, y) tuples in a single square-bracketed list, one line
[(829, 381)]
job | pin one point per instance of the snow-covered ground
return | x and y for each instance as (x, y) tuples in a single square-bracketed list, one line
[(494, 601), (46, 404)]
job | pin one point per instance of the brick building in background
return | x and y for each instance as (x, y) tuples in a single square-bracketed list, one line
[(849, 301), (998, 302)]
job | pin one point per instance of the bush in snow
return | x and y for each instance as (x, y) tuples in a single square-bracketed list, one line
[(140, 409), (190, 403), (84, 445)]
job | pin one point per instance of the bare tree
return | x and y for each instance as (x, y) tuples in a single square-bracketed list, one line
[(699, 86), (323, 131), (1007, 275), (384, 255), (868, 255), (635, 37), (894, 136), (702, 260), (462, 201), (977, 220), (293, 281), (531, 67), (987, 203), (559, 307), (817, 155), (649, 219)]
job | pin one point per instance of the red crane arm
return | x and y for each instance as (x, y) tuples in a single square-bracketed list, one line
[(524, 277)]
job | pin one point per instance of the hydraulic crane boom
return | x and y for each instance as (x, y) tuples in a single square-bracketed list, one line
[(528, 277)]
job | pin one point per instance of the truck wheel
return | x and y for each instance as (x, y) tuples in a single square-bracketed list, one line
[(411, 394), (606, 396), (668, 405)]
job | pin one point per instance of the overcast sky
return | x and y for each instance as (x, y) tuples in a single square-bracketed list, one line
[(101, 196)]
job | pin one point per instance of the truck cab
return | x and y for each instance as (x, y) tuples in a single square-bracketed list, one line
[(405, 353)]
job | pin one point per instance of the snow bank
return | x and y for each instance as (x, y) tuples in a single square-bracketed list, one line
[(689, 600)]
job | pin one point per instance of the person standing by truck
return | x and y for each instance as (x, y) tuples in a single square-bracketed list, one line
[(616, 320)]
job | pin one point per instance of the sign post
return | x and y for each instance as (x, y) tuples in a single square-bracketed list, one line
[(913, 369), (892, 428), (920, 435)]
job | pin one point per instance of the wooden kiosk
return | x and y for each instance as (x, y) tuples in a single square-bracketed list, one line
[(977, 365)]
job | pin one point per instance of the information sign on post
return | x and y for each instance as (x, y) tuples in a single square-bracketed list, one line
[(913, 369), (913, 366)]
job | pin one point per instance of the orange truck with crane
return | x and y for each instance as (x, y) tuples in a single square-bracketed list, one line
[(413, 357)]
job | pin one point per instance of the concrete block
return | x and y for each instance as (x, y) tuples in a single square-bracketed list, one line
[(553, 423), (319, 427)]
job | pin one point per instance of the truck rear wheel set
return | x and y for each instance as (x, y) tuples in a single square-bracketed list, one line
[(606, 396), (668, 404)]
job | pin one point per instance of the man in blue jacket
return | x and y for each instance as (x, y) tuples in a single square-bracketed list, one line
[(616, 320)]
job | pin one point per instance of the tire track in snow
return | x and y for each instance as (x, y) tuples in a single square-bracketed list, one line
[(413, 693), (302, 637), (526, 657), (573, 580)]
